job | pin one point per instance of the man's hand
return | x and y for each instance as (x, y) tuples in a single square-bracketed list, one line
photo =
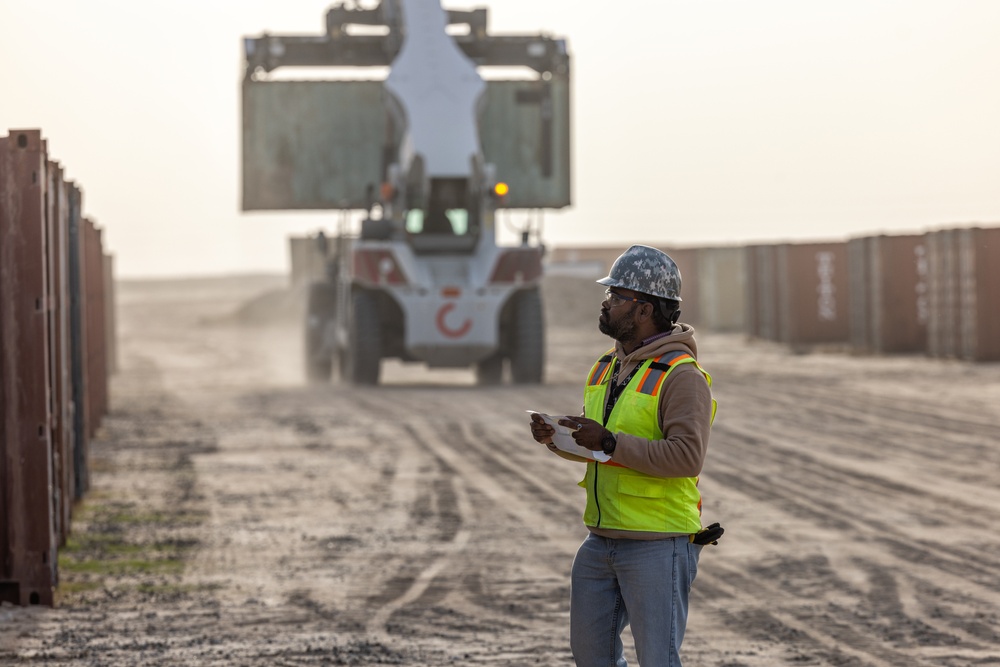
[(542, 432), (586, 432)]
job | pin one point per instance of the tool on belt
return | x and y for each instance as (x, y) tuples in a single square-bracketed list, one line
[(709, 535)]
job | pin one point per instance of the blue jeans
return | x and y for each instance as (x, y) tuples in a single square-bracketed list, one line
[(620, 582)]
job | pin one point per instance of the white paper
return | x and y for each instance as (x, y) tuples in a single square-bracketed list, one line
[(563, 439)]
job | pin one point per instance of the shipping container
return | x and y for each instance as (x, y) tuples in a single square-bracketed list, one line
[(722, 276), (979, 281), (28, 530), (813, 293), (761, 292), (888, 285)]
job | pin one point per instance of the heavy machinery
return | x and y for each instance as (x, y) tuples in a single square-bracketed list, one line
[(430, 153)]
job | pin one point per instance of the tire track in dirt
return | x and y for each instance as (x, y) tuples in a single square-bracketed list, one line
[(872, 598), (429, 572)]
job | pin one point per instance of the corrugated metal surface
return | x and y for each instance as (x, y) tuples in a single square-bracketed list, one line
[(532, 158), (899, 293), (944, 295), (28, 571), (322, 144), (78, 345), (57, 216), (722, 275), (859, 281), (762, 292), (96, 355), (979, 276), (888, 284), (813, 293)]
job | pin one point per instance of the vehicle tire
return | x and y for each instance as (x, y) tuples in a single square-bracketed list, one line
[(489, 371), (321, 307), (527, 344), (364, 357)]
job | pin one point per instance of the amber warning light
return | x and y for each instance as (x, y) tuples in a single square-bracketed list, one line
[(501, 189)]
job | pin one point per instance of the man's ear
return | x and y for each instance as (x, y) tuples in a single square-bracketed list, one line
[(647, 313)]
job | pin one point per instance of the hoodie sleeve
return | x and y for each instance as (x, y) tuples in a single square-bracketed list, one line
[(685, 419)]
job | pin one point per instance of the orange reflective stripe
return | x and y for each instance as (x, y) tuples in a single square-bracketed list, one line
[(600, 371)]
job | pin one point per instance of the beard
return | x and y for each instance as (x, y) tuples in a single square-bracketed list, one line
[(621, 329)]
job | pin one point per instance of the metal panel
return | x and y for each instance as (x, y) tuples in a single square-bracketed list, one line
[(322, 144), (979, 271), (58, 314), (312, 144), (525, 131), (29, 562), (78, 344), (859, 283), (94, 317), (898, 289), (943, 294), (888, 284), (721, 288), (110, 316), (762, 292), (813, 293)]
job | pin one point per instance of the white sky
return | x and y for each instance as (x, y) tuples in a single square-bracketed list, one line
[(695, 122)]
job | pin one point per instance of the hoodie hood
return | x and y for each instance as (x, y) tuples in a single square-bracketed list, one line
[(680, 338)]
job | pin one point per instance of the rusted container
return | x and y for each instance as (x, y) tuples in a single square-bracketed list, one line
[(29, 542), (722, 288), (943, 294), (979, 280), (761, 319), (889, 303), (96, 359), (813, 293)]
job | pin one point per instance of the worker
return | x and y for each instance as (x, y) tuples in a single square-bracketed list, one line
[(648, 408)]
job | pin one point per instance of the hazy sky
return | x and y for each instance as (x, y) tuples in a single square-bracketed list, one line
[(695, 122)]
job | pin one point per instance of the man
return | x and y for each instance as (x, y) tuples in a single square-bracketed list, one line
[(647, 404)]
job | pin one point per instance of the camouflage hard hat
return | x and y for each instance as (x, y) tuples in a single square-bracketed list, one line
[(647, 270)]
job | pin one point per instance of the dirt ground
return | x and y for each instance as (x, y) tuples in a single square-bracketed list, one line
[(240, 517)]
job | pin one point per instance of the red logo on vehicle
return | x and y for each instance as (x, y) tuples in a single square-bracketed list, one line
[(448, 331)]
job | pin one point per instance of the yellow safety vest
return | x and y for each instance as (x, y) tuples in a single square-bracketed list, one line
[(620, 498)]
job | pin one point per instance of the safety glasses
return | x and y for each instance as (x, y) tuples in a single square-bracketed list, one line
[(614, 300)]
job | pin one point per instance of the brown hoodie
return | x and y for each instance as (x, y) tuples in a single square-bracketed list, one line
[(685, 412), (685, 418)]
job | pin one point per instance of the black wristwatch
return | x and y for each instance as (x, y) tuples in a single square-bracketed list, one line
[(608, 443)]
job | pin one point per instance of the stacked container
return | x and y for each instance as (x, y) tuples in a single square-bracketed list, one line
[(53, 362)]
